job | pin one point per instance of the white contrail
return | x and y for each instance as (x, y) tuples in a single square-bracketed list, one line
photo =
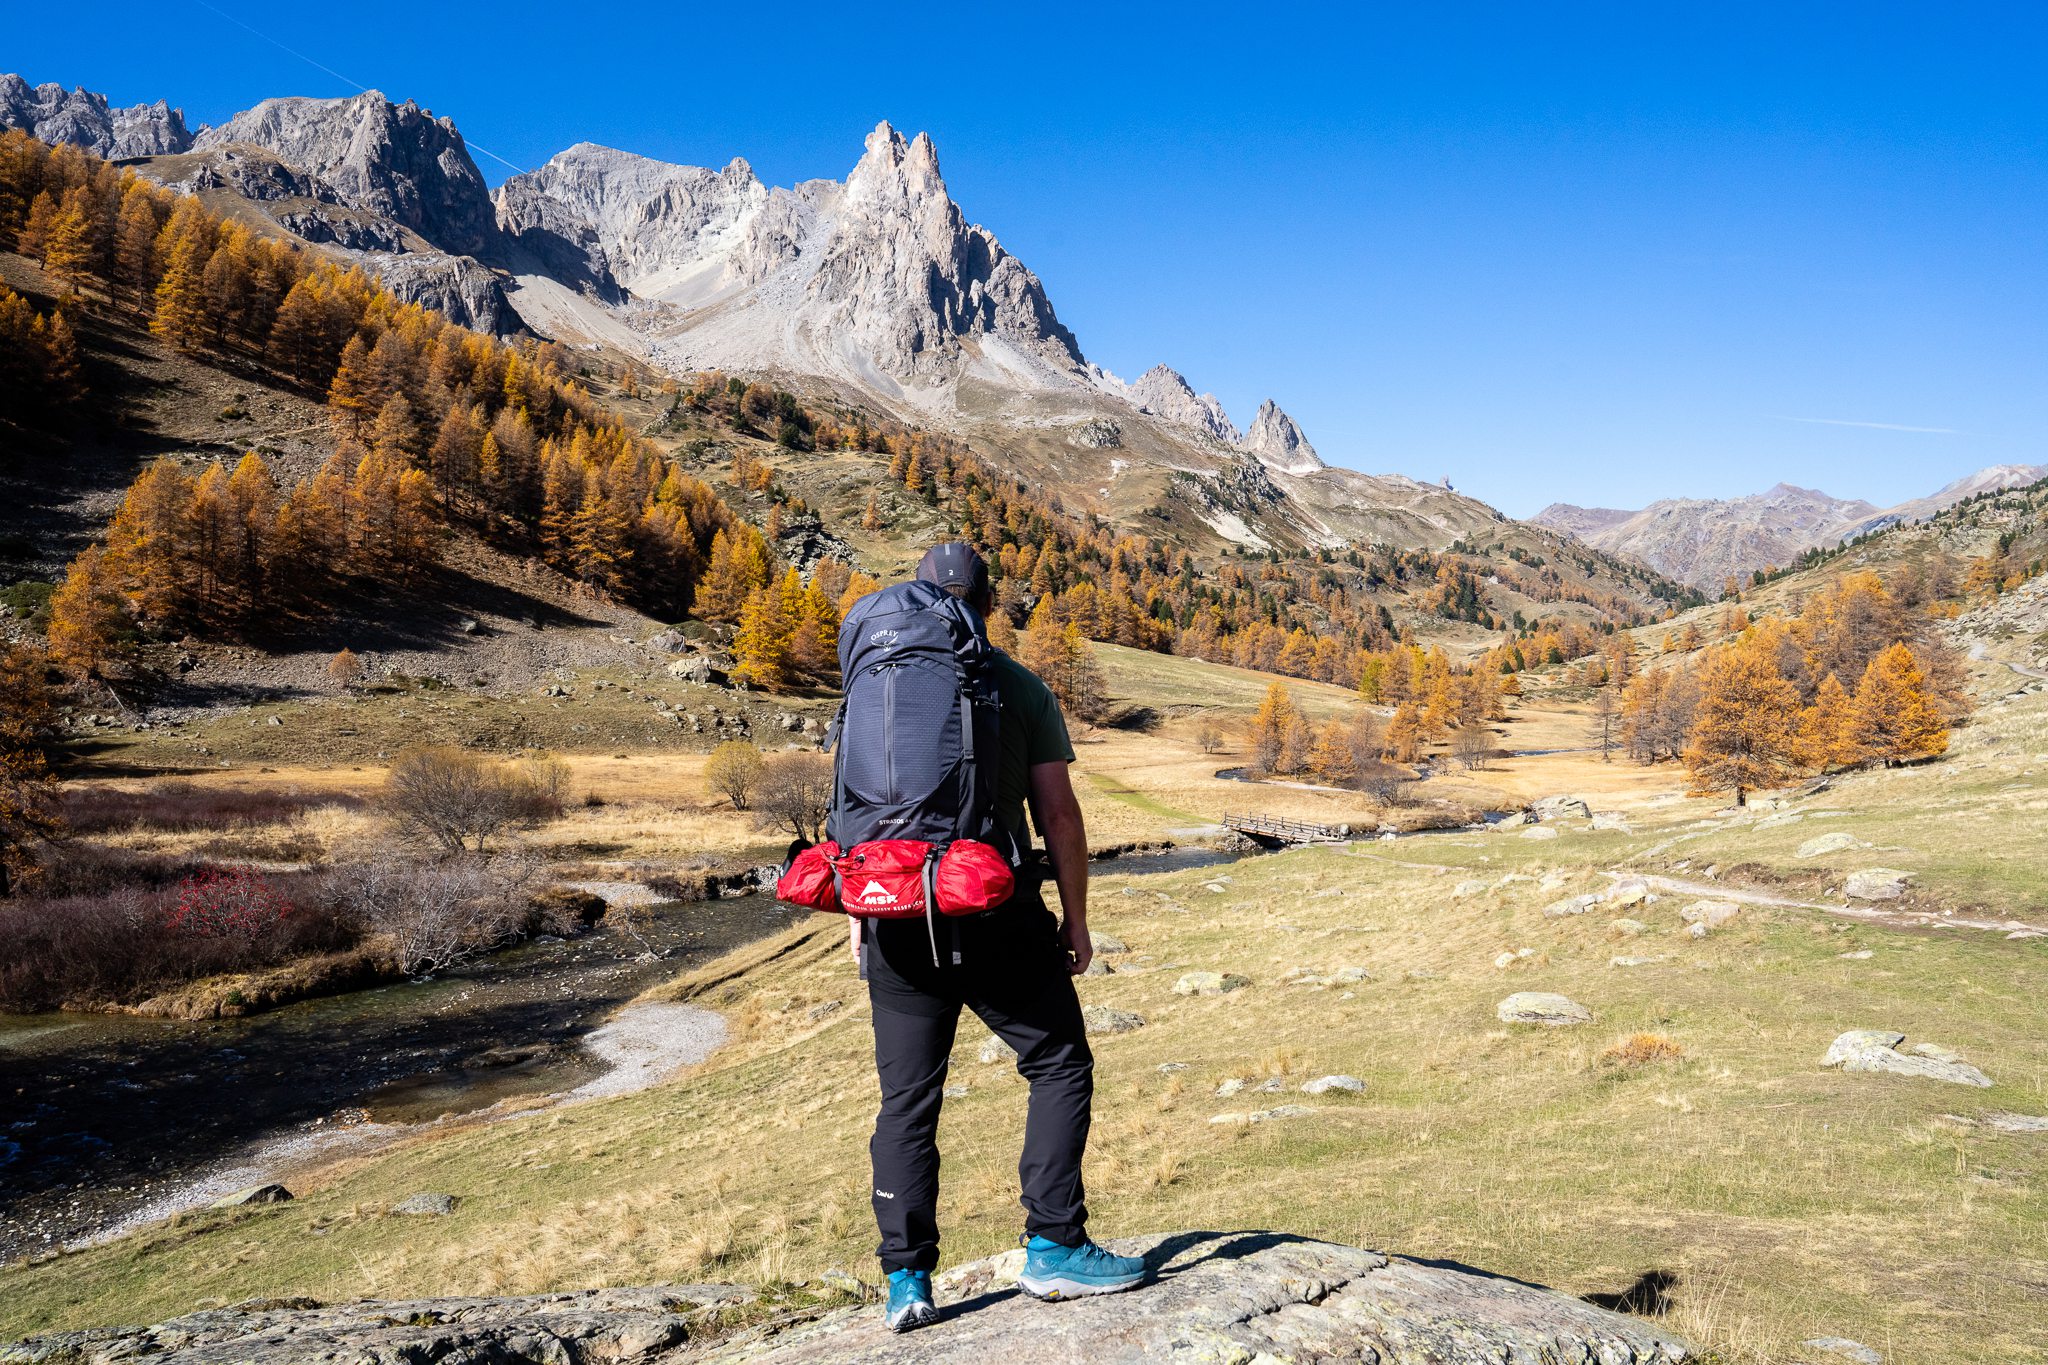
[(322, 66), (1874, 426)]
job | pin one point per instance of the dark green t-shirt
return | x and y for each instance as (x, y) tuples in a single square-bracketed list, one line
[(1034, 732)]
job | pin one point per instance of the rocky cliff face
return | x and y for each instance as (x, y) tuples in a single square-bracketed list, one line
[(1277, 441), (1249, 1296), (394, 160), (1705, 541), (1161, 390), (83, 119)]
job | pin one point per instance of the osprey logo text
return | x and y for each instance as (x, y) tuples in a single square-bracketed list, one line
[(883, 639), (874, 894)]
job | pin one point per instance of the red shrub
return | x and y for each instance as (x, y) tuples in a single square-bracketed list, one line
[(226, 903)]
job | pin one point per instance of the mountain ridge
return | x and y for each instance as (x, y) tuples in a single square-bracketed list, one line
[(1704, 541)]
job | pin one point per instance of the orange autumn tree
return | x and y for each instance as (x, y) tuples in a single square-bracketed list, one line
[(1896, 718), (1827, 729), (1744, 732)]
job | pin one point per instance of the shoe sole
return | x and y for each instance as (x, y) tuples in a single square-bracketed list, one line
[(1054, 1290), (919, 1315)]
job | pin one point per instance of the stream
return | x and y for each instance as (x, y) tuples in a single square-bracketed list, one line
[(109, 1122)]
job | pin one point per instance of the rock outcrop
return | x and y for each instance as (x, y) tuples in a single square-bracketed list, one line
[(1163, 391), (395, 160), (1247, 1296), (84, 119), (1278, 442)]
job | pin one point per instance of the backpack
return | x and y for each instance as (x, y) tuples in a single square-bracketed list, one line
[(912, 829)]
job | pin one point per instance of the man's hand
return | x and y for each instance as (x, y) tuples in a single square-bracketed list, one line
[(853, 938), (1080, 947)]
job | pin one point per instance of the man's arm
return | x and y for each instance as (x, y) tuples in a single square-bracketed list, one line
[(1058, 816)]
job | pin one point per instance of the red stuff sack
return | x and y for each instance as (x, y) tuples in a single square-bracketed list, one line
[(973, 876), (884, 878), (808, 880)]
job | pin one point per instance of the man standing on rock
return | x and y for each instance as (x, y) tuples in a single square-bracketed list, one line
[(1014, 967)]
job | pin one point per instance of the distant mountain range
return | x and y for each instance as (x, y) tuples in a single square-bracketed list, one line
[(1705, 541)]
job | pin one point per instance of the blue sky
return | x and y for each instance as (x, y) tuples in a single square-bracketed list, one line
[(1588, 253)]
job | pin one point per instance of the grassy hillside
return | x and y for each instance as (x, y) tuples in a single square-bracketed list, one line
[(1784, 1201)]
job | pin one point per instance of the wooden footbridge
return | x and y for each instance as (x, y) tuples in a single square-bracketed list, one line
[(1276, 833)]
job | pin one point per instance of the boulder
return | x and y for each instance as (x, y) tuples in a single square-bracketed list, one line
[(1107, 943), (697, 668), (1542, 1007), (1822, 844), (1877, 884), (2018, 1123), (1470, 888), (1611, 820), (994, 1049), (1705, 915), (1103, 1019), (425, 1205), (1323, 1084), (1561, 808), (1628, 891), (1871, 1050), (254, 1194), (1539, 832), (1515, 821), (1847, 1349), (1634, 961), (1627, 928), (1570, 905), (1210, 983)]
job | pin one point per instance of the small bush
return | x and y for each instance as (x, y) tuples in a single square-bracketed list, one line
[(733, 771), (1642, 1049), (462, 801), (439, 914), (126, 945), (796, 793)]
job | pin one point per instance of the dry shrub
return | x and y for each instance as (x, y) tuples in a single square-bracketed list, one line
[(460, 800), (438, 914), (795, 794), (1642, 1049), (124, 946)]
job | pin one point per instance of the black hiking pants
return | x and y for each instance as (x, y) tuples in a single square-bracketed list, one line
[(1012, 972)]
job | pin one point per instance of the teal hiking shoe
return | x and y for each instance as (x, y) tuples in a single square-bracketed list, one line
[(1053, 1272), (910, 1303)]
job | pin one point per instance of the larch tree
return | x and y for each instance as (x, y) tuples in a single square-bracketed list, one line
[(1744, 732), (1270, 726), (1896, 717), (761, 646), (87, 623), (180, 317), (1827, 729)]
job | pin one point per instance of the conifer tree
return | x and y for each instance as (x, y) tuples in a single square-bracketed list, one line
[(87, 624), (1744, 732), (71, 255), (34, 238), (353, 390), (1270, 726), (760, 648), (871, 519), (1896, 718), (180, 318), (1827, 729), (135, 241)]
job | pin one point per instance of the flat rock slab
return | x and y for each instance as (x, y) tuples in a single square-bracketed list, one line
[(1246, 1296), (1876, 884), (1542, 1007), (640, 1324), (1877, 1050)]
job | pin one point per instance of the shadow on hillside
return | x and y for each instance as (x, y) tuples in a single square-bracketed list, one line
[(1649, 1296)]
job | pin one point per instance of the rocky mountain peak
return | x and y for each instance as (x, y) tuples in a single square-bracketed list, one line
[(1164, 391), (395, 160), (82, 118), (1278, 442)]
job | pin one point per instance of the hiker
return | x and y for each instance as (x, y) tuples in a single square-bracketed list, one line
[(984, 736)]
